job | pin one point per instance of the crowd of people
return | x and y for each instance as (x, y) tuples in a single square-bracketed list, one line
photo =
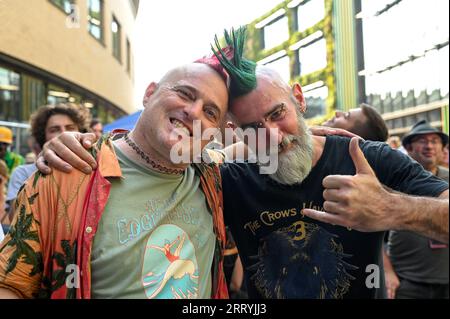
[(136, 224)]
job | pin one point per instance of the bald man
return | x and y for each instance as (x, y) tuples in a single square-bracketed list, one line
[(98, 225)]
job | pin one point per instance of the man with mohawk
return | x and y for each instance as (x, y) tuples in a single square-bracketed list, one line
[(107, 234), (314, 227)]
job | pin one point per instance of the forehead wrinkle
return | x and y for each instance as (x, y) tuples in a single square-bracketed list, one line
[(186, 73)]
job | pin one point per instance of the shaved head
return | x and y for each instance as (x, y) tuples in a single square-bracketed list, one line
[(266, 78), (267, 75), (184, 95), (188, 70)]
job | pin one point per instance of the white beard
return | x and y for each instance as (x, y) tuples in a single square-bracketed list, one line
[(295, 165)]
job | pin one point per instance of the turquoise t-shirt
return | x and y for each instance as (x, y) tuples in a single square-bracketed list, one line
[(155, 238)]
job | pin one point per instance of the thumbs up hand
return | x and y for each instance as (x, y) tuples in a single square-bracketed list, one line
[(357, 201)]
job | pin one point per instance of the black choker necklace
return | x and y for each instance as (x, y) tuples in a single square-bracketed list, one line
[(158, 167)]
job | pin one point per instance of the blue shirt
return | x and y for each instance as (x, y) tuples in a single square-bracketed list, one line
[(18, 177)]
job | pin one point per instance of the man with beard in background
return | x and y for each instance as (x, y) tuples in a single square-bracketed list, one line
[(314, 228)]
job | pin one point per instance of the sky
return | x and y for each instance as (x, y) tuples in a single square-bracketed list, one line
[(174, 32)]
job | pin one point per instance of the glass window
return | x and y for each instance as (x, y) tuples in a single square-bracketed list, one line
[(282, 67), (116, 43), (109, 117), (410, 46), (370, 7), (9, 95), (310, 13), (56, 94), (33, 95), (95, 18), (276, 33), (442, 70), (89, 104), (94, 111), (313, 57), (316, 101), (128, 57), (65, 5), (101, 113), (75, 98)]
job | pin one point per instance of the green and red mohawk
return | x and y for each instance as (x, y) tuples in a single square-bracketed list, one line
[(238, 72), (215, 64), (242, 72)]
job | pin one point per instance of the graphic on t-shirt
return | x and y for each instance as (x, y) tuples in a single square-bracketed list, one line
[(310, 266), (170, 268)]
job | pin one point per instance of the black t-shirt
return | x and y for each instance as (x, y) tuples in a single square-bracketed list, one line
[(287, 255)]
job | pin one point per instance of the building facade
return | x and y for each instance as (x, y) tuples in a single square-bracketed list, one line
[(54, 51), (406, 53), (392, 54)]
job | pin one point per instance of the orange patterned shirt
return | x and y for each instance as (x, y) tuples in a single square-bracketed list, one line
[(46, 253)]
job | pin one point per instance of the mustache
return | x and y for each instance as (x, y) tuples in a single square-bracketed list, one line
[(286, 140)]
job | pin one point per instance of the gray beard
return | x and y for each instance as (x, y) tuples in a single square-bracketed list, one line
[(295, 165)]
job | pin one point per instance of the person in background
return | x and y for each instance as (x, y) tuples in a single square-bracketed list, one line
[(364, 121), (444, 160), (415, 266), (11, 159), (394, 142), (35, 149), (96, 127), (30, 158), (46, 122)]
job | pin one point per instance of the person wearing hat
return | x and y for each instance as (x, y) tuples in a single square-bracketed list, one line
[(418, 267), (426, 144), (11, 159)]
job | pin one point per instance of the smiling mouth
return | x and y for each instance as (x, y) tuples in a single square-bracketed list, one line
[(181, 126)]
